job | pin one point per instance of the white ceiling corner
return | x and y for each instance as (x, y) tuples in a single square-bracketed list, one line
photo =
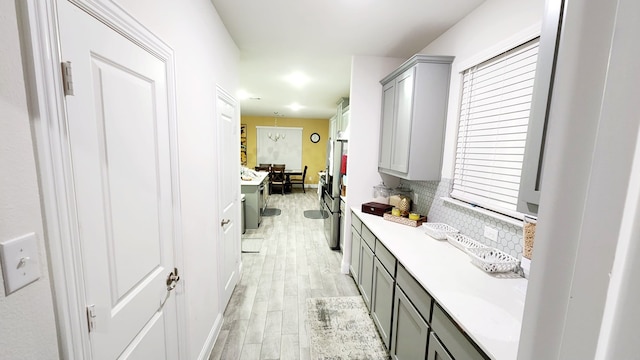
[(319, 38)]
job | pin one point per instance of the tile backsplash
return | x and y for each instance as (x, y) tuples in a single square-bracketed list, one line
[(427, 200)]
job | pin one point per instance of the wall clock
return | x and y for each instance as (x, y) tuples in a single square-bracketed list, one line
[(315, 137)]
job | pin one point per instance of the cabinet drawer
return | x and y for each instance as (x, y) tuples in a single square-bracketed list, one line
[(356, 223), (368, 237), (386, 258), (419, 297), (453, 338), (436, 350)]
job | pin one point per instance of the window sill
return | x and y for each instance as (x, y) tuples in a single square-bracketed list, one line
[(480, 210)]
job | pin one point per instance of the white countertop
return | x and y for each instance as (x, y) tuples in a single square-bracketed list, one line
[(487, 307), (255, 180)]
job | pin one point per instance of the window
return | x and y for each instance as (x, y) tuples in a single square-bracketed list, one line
[(284, 146), (492, 129)]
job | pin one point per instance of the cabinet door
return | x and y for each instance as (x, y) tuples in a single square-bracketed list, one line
[(333, 127), (355, 254), (529, 193), (410, 333), (382, 301), (401, 141), (386, 126), (453, 338), (365, 278), (345, 120), (436, 350)]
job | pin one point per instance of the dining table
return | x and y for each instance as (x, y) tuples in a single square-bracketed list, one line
[(287, 178)]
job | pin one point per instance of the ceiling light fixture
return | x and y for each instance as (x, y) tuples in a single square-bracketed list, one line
[(297, 79), (276, 136), (295, 106), (243, 95)]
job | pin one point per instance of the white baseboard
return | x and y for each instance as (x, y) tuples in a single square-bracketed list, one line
[(211, 338)]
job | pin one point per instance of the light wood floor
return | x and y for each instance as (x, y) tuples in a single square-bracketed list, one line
[(267, 316)]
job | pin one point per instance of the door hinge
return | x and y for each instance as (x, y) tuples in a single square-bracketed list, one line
[(91, 317), (67, 79)]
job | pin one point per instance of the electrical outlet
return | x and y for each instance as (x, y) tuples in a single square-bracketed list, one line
[(491, 233)]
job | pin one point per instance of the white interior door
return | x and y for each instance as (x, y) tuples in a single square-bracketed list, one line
[(228, 170), (119, 139)]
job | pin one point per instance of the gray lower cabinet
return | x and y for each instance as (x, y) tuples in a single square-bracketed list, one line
[(365, 276), (355, 254), (410, 332), (453, 338), (437, 350), (410, 322), (382, 301), (255, 203)]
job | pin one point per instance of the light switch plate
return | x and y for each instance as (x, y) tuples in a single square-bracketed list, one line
[(491, 233), (20, 263)]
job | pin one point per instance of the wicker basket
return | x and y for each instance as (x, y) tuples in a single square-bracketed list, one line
[(438, 231), (463, 242), (492, 260)]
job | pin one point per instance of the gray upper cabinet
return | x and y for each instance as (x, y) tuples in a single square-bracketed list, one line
[(414, 107), (529, 194), (387, 122)]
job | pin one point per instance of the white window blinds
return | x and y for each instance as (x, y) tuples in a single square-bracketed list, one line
[(285, 149), (494, 115)]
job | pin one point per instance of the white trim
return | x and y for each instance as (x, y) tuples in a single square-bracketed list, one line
[(221, 93), (483, 211), (48, 115), (211, 338), (517, 39)]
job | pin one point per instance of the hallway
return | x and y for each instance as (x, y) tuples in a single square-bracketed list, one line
[(266, 317)]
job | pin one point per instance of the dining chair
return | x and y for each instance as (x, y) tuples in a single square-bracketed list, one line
[(261, 167), (295, 179), (277, 178)]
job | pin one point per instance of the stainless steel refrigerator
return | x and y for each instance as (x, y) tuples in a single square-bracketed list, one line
[(331, 192)]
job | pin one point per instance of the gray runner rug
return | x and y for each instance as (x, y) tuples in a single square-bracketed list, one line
[(315, 214), (341, 329), (271, 212)]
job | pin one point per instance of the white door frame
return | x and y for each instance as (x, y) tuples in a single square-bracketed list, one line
[(223, 94), (41, 57)]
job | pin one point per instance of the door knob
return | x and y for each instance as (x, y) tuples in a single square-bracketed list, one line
[(224, 222), (172, 279)]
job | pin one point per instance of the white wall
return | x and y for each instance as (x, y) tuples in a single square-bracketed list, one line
[(27, 323), (205, 56), (479, 36), (364, 132)]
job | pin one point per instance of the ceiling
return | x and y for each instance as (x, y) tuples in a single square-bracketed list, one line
[(317, 38)]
